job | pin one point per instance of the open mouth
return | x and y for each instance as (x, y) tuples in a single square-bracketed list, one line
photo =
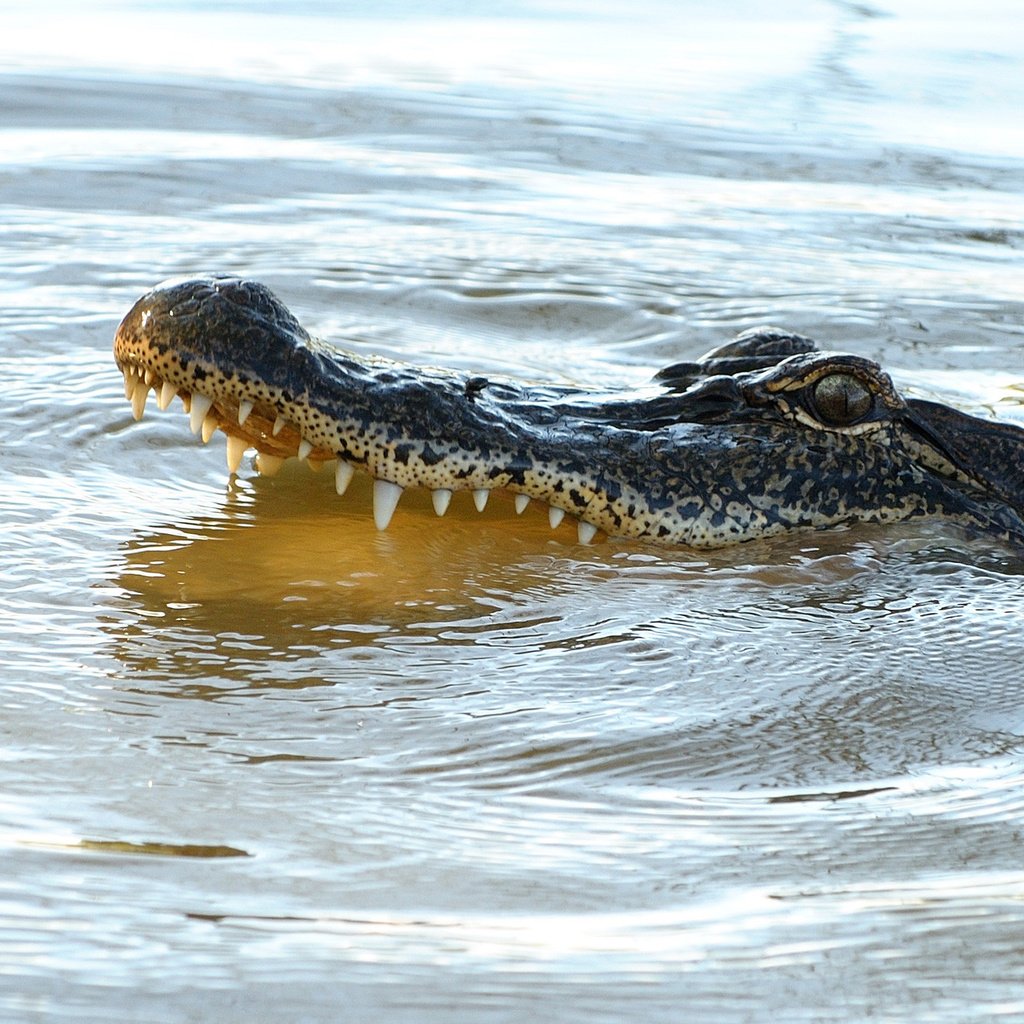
[(259, 426)]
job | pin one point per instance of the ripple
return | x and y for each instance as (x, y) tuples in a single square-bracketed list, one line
[(478, 771)]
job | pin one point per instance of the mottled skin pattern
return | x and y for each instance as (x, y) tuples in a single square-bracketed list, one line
[(764, 435)]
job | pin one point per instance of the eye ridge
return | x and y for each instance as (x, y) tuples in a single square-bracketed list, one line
[(841, 399)]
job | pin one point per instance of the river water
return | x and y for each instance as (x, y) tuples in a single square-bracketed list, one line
[(262, 763)]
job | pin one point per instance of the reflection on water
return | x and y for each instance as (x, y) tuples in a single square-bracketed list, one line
[(146, 849), (261, 762), (832, 661)]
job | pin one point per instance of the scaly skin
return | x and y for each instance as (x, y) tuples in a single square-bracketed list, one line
[(762, 436)]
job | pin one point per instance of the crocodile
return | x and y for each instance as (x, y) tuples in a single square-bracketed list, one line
[(763, 435)]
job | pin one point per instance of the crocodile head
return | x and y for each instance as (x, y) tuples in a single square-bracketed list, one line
[(763, 435)]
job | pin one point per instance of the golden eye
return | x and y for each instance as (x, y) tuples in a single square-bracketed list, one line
[(840, 400)]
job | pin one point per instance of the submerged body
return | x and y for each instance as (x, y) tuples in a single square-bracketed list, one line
[(763, 435)]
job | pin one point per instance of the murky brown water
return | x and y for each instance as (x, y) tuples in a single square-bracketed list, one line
[(262, 763)]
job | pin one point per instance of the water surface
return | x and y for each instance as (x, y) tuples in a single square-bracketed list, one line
[(260, 762)]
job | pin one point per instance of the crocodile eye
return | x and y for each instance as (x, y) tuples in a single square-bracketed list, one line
[(841, 399)]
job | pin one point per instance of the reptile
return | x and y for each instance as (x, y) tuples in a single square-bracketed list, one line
[(763, 435)]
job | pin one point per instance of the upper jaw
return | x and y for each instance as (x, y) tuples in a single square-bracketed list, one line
[(289, 396)]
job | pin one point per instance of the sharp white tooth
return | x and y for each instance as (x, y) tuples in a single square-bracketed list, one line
[(304, 448), (522, 500), (166, 395), (279, 425), (235, 450), (441, 497), (209, 427), (129, 383), (480, 496), (197, 413), (139, 396), (244, 408), (148, 378), (385, 501), (343, 473), (186, 401), (267, 464), (555, 515), (586, 531)]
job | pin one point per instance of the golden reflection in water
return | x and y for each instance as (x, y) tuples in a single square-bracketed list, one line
[(299, 545), (287, 568), (260, 591), (143, 849)]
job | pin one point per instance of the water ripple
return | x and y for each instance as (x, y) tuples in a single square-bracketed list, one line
[(481, 772)]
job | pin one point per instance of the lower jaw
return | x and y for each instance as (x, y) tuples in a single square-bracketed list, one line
[(275, 441)]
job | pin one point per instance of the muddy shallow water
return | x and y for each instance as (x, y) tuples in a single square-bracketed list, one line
[(262, 762)]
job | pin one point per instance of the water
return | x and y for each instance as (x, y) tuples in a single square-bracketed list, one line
[(262, 763)]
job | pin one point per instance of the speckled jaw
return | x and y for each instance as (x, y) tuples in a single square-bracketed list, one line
[(797, 439), (260, 379)]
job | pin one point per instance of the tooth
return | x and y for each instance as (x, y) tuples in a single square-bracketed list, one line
[(139, 396), (304, 448), (268, 464), (279, 425), (244, 408), (522, 500), (166, 395), (186, 401), (385, 501), (441, 498), (148, 378), (235, 450), (209, 426), (343, 474), (586, 531), (129, 383), (555, 516), (197, 413), (480, 496)]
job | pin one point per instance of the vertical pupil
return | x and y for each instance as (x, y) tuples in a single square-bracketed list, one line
[(841, 399)]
